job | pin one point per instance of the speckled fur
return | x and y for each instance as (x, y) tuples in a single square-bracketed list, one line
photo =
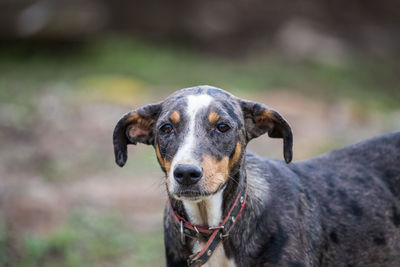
[(339, 209)]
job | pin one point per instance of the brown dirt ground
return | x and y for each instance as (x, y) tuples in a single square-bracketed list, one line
[(61, 157)]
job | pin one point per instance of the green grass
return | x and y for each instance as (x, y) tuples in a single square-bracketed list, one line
[(26, 70), (4, 251), (122, 69), (91, 240)]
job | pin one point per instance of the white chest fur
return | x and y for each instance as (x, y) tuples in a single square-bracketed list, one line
[(209, 212)]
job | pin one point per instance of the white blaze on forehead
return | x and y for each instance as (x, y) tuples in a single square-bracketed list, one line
[(195, 103)]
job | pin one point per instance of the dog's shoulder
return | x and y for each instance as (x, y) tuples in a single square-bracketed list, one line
[(273, 179)]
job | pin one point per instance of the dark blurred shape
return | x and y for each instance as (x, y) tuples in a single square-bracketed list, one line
[(52, 20), (231, 27)]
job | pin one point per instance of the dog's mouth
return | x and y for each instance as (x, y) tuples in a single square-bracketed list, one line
[(191, 195), (194, 195)]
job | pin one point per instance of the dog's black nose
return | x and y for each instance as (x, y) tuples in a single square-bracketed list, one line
[(186, 174)]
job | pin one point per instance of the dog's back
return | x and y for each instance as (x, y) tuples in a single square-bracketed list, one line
[(358, 188), (374, 160)]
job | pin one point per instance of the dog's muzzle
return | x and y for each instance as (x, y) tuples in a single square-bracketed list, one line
[(187, 174)]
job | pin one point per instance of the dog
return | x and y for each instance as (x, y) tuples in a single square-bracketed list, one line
[(229, 207)]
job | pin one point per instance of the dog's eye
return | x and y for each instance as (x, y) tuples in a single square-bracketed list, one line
[(166, 128), (223, 127)]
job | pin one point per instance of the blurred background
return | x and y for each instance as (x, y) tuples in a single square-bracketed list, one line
[(70, 69)]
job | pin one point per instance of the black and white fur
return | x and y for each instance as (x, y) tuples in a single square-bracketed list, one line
[(338, 209)]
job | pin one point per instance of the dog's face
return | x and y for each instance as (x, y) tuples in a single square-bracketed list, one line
[(199, 135)]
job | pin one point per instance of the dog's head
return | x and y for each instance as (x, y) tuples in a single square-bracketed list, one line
[(199, 135)]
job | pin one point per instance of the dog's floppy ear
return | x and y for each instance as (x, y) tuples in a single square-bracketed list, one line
[(135, 126), (259, 119)]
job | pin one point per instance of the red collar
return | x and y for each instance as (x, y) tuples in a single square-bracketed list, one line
[(213, 236)]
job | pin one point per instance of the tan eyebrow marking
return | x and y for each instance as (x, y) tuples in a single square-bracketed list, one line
[(175, 117), (213, 117)]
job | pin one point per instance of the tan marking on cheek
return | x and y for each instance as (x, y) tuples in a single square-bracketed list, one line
[(166, 164), (215, 172), (213, 117), (236, 155), (175, 117), (158, 154)]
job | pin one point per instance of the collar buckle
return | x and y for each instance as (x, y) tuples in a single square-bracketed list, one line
[(216, 227), (183, 239)]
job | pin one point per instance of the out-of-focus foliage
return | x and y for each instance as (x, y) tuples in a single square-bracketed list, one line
[(125, 66), (88, 239), (63, 201), (301, 28)]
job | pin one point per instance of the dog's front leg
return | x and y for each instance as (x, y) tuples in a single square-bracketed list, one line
[(172, 260), (176, 253), (173, 253)]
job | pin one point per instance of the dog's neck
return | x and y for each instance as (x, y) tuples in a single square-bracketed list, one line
[(205, 212), (211, 211)]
